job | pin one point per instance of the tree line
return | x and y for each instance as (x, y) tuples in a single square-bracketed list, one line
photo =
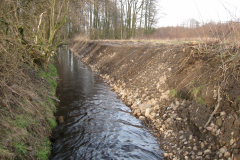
[(111, 19)]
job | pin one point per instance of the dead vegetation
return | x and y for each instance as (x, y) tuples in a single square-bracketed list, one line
[(25, 110)]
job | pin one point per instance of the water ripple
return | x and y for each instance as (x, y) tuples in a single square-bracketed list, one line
[(97, 124)]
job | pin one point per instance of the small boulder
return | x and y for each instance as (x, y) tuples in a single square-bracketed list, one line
[(141, 118), (61, 119), (143, 107)]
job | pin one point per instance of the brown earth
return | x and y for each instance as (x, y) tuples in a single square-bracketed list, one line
[(175, 89)]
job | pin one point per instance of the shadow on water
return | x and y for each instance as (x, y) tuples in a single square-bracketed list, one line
[(97, 125)]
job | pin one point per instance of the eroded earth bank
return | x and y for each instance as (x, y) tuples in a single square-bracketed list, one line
[(175, 88)]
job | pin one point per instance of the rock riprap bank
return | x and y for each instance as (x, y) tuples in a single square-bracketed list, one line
[(175, 88)]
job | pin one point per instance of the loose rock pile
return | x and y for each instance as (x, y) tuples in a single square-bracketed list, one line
[(180, 126)]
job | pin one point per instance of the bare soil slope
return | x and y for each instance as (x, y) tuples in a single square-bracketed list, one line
[(175, 88)]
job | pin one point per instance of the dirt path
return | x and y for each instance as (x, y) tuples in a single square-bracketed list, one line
[(175, 88)]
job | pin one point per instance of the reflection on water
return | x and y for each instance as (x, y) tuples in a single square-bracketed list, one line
[(97, 124)]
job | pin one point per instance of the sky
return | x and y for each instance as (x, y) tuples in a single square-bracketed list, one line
[(178, 11)]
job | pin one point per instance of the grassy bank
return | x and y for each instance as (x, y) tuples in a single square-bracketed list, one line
[(26, 106)]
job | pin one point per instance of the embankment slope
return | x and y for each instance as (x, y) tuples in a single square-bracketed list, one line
[(175, 88), (26, 108)]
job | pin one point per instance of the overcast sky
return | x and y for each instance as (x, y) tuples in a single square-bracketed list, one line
[(177, 11)]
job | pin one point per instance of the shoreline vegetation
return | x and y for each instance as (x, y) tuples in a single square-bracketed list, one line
[(26, 110), (29, 36)]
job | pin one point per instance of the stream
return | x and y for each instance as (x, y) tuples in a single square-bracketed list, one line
[(97, 124)]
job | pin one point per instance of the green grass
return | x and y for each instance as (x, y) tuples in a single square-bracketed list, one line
[(20, 149), (173, 93), (49, 75), (52, 123), (53, 70), (45, 151), (52, 104), (200, 101), (21, 122), (195, 91), (5, 154)]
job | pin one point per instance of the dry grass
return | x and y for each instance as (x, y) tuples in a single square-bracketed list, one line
[(24, 109)]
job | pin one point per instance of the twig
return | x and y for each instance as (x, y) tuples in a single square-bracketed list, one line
[(54, 98), (216, 108)]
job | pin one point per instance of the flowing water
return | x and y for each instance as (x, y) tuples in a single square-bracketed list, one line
[(97, 125)]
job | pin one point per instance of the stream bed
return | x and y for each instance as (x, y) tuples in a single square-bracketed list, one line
[(97, 124)]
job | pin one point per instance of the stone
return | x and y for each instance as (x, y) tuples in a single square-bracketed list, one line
[(177, 103), (231, 141), (219, 121), (202, 145), (174, 107), (218, 132), (220, 155), (181, 137), (209, 128), (170, 155), (169, 131), (207, 157), (227, 154), (223, 113), (237, 122), (164, 97), (134, 106), (141, 118), (199, 153), (153, 114), (147, 112), (136, 112), (167, 92), (163, 126), (223, 150), (61, 119), (236, 157), (195, 148), (143, 107), (174, 116), (208, 151), (190, 137), (169, 120), (165, 155), (178, 119), (156, 107), (164, 116)]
